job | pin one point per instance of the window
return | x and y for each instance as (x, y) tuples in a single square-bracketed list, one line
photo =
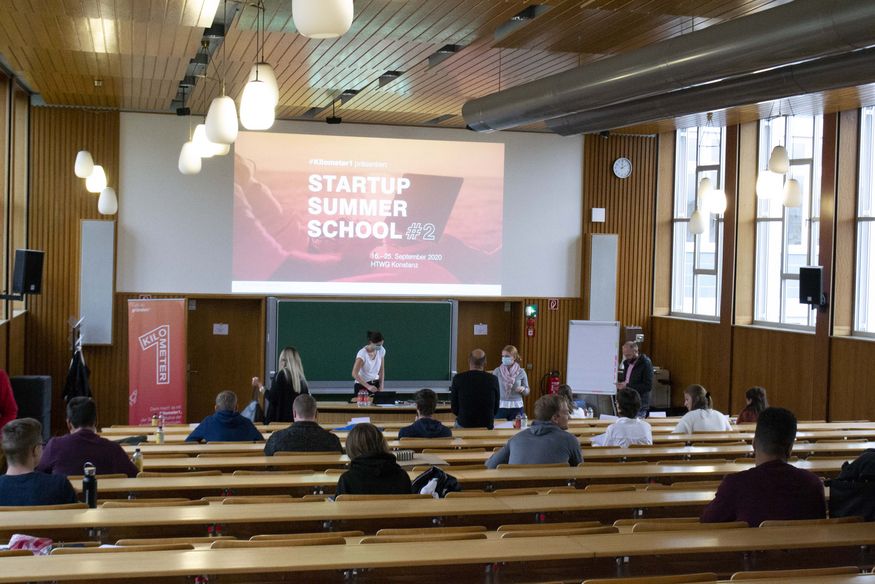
[(787, 238), (864, 299), (697, 259)]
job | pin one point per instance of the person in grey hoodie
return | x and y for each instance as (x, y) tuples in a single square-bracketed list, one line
[(546, 442)]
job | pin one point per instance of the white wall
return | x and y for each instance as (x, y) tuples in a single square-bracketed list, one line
[(175, 231)]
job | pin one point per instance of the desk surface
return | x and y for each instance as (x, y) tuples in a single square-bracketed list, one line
[(392, 555)]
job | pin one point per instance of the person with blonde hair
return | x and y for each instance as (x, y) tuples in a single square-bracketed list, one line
[(288, 383), (513, 382), (22, 484), (701, 417), (373, 470)]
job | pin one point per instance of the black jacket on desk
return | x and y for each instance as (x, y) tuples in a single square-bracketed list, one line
[(641, 379), (375, 474), (303, 437), (474, 399)]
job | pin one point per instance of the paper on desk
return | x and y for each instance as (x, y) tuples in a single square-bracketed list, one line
[(657, 414), (503, 425), (364, 420), (608, 417)]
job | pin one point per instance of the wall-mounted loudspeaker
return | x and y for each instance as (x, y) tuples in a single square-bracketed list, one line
[(27, 273), (811, 285)]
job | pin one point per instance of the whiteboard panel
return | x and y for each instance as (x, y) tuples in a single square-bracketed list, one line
[(593, 347), (96, 261), (603, 281)]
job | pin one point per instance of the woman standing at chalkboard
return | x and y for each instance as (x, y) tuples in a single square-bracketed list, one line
[(369, 370), (288, 384), (514, 384)]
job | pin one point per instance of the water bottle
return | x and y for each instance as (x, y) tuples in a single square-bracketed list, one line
[(159, 435), (137, 459), (154, 420), (363, 398), (89, 485), (524, 421)]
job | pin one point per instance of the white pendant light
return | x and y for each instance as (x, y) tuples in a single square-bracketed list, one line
[(716, 201), (264, 72), (96, 181), (703, 192), (322, 19), (189, 161), (769, 185), (779, 160), (696, 225), (84, 164), (221, 121), (256, 106), (792, 193), (107, 204)]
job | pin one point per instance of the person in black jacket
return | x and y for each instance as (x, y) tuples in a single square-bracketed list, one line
[(373, 470), (305, 435), (425, 426), (287, 385), (474, 394), (637, 375)]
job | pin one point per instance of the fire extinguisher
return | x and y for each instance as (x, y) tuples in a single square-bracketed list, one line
[(551, 382)]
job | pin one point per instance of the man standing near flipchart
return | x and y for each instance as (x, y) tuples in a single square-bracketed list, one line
[(637, 374)]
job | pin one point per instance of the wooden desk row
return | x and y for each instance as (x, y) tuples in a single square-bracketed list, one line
[(580, 555), (318, 482)]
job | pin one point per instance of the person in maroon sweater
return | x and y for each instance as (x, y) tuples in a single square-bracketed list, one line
[(67, 455), (8, 407), (773, 489)]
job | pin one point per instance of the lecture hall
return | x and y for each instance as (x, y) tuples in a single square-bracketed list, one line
[(502, 291)]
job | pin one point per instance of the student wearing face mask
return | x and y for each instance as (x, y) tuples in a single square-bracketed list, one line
[(369, 370), (514, 384)]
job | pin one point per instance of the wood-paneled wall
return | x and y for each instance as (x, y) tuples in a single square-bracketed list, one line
[(58, 202), (629, 211)]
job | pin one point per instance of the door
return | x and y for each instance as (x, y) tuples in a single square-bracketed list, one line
[(497, 316)]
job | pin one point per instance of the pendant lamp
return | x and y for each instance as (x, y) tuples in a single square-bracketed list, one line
[(768, 185), (322, 19), (696, 225), (96, 181), (189, 161), (107, 204), (84, 164), (792, 193), (704, 187), (717, 201), (221, 122), (256, 106), (264, 72), (779, 160)]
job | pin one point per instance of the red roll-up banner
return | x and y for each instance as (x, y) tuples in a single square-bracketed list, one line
[(156, 360)]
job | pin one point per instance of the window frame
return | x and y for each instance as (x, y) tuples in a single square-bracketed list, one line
[(698, 272), (864, 181)]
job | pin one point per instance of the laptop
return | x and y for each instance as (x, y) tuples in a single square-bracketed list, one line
[(385, 397)]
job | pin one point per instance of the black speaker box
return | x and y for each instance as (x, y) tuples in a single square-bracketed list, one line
[(27, 275), (33, 394), (810, 285)]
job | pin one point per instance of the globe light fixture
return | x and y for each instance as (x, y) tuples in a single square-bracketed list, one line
[(221, 122), (96, 181), (84, 164), (322, 19), (792, 193), (257, 106), (779, 160), (107, 204), (189, 161)]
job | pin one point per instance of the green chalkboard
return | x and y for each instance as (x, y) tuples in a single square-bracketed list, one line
[(419, 338)]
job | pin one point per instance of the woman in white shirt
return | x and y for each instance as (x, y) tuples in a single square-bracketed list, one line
[(513, 384), (369, 370), (701, 418), (629, 429)]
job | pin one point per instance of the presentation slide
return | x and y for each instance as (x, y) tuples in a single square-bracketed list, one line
[(318, 214)]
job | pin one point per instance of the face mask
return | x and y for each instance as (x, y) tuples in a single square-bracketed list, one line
[(507, 361)]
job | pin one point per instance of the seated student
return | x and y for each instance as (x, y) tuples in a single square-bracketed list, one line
[(21, 485), (756, 403), (226, 425), (629, 429), (700, 418), (853, 491), (373, 470), (545, 442), (304, 435), (425, 426), (67, 455), (773, 489), (574, 412)]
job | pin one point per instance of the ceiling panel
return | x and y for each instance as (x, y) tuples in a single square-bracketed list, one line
[(138, 51)]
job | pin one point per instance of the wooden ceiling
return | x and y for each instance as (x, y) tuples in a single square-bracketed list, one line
[(137, 51)]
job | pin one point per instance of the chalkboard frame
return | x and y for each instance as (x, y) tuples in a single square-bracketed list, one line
[(344, 386)]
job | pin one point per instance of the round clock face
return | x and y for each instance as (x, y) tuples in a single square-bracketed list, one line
[(622, 167)]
